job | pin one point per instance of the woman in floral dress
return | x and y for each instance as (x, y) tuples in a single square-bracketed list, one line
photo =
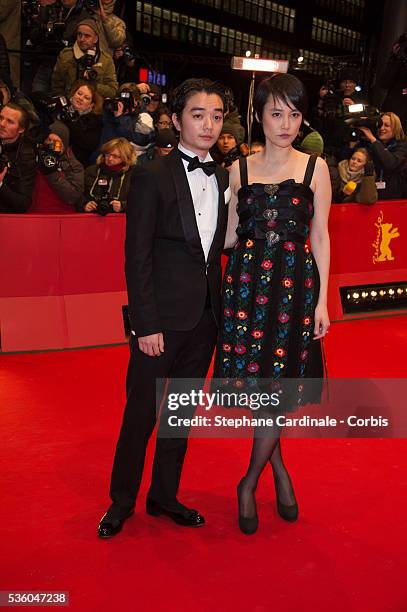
[(275, 289)]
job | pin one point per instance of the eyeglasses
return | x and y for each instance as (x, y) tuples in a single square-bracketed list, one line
[(113, 156)]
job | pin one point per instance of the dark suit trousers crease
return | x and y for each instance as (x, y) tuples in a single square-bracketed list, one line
[(187, 354)]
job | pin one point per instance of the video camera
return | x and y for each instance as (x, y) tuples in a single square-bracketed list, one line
[(48, 156), (86, 63), (361, 115)]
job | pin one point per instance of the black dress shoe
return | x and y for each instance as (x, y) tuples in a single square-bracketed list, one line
[(247, 525), (288, 513), (109, 527), (185, 516)]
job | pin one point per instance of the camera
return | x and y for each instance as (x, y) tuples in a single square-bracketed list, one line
[(361, 115), (86, 63), (48, 156), (56, 107), (103, 198), (4, 162), (126, 98), (112, 104), (128, 53)]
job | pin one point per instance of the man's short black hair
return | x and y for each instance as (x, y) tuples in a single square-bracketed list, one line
[(190, 87), (284, 87), (24, 120)]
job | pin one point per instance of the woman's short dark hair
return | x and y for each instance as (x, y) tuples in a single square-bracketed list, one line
[(284, 87), (190, 87)]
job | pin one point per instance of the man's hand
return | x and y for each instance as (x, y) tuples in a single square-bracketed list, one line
[(143, 88), (152, 345), (116, 205), (348, 101), (91, 206)]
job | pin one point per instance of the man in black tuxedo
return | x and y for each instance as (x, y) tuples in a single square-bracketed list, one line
[(176, 224)]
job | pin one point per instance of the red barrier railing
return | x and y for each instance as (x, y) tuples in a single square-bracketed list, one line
[(62, 281)]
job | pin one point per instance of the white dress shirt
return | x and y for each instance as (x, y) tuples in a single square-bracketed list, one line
[(205, 196)]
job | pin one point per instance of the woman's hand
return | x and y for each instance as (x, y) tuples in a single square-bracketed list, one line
[(116, 205), (90, 206), (322, 322), (368, 133)]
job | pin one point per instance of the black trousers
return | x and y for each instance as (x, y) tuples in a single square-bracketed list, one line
[(187, 354)]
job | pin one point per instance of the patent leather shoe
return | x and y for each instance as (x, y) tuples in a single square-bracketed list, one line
[(186, 517), (109, 527)]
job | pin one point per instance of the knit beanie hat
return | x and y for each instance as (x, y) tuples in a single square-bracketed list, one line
[(312, 143), (61, 130), (234, 129), (91, 23)]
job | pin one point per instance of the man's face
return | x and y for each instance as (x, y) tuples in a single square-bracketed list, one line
[(10, 128), (348, 87), (68, 3), (226, 142), (86, 38), (201, 122)]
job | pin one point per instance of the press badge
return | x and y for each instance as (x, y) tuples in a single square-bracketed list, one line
[(380, 185)]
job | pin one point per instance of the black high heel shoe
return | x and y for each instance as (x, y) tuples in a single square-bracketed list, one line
[(288, 513), (247, 525)]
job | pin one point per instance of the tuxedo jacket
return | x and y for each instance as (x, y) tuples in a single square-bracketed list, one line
[(166, 272)]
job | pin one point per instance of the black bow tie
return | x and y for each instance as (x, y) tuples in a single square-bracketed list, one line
[(194, 163)]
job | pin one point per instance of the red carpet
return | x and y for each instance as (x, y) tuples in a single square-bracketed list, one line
[(61, 414)]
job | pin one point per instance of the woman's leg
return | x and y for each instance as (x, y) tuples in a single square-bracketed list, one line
[(282, 480)]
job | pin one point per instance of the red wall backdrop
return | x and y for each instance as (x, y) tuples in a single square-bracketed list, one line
[(62, 281)]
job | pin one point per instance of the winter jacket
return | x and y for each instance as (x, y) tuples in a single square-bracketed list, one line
[(390, 162), (60, 190), (118, 185), (67, 71), (18, 183)]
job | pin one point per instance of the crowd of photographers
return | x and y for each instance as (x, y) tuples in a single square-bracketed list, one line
[(71, 135)]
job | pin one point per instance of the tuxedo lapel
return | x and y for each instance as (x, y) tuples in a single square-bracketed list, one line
[(185, 204), (222, 214)]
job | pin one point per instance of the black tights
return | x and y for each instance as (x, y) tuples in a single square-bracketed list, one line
[(266, 449)]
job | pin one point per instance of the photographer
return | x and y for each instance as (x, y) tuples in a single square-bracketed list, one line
[(84, 61), (389, 152), (107, 183), (394, 79), (49, 34), (125, 63), (112, 29), (60, 181), (227, 148), (122, 119), (85, 128), (353, 179), (17, 160)]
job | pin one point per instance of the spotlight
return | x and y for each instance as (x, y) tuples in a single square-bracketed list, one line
[(300, 59), (248, 53)]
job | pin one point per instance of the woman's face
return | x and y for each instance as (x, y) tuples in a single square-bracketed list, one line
[(164, 122), (82, 99), (113, 157), (281, 123), (385, 132), (357, 161)]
